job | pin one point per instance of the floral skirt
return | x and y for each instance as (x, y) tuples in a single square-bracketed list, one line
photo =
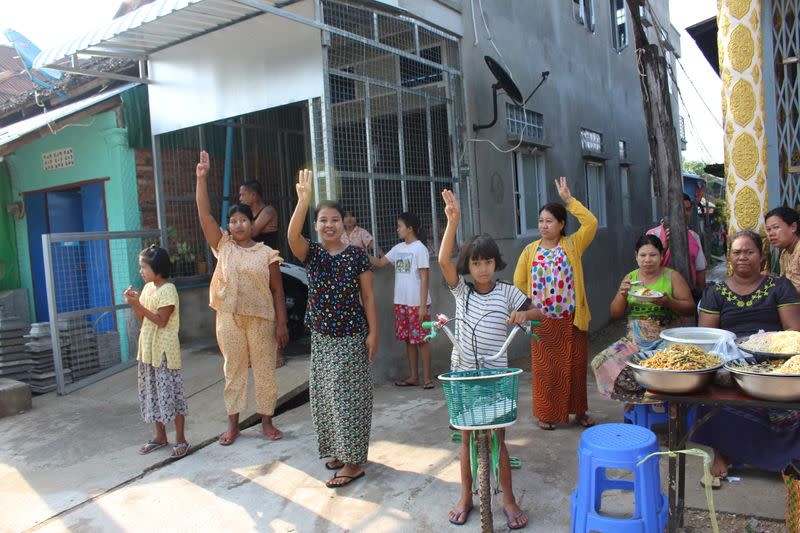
[(609, 365), (161, 396), (340, 389)]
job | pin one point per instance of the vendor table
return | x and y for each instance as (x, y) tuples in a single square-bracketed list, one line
[(679, 404)]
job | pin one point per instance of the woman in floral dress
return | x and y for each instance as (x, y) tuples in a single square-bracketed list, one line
[(344, 336), (550, 272)]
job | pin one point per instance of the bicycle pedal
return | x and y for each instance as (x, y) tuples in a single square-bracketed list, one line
[(515, 462)]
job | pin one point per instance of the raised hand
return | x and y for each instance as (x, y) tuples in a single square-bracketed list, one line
[(203, 166), (304, 186), (563, 189), (451, 208)]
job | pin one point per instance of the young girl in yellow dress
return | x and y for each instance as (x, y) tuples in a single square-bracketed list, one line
[(161, 396)]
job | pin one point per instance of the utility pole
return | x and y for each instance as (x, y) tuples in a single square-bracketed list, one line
[(665, 161)]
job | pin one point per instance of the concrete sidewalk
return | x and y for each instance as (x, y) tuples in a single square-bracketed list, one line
[(69, 449), (411, 480), (76, 455)]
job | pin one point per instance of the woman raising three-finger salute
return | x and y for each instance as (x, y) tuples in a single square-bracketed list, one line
[(344, 335), (551, 273)]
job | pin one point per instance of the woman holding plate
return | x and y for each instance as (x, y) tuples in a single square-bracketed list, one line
[(653, 296)]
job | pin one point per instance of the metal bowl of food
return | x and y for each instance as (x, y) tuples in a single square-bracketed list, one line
[(703, 338), (669, 380), (771, 344), (759, 380)]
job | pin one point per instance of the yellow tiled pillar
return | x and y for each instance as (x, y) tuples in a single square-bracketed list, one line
[(741, 69)]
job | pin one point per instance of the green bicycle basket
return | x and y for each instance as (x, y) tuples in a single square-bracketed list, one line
[(481, 399)]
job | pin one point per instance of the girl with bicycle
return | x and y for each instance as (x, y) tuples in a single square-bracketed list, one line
[(484, 308)]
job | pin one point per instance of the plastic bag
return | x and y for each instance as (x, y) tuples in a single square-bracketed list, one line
[(727, 350)]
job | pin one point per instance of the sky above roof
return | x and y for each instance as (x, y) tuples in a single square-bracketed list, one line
[(48, 23)]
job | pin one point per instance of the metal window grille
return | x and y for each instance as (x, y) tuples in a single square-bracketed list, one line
[(591, 141), (521, 121), (91, 333), (394, 142), (786, 36)]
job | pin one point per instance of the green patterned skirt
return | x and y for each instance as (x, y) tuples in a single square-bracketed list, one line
[(340, 389)]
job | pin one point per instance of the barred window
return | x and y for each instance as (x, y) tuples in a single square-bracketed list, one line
[(591, 141)]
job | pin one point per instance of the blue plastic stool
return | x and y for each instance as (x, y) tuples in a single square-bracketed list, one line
[(644, 415), (618, 446)]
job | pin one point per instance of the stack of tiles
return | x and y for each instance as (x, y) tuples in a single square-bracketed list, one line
[(15, 361), (78, 347), (42, 377)]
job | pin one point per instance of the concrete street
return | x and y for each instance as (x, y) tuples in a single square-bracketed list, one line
[(71, 465)]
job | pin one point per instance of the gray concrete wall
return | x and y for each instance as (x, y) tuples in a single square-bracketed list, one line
[(591, 86)]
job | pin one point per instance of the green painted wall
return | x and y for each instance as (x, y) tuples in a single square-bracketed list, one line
[(100, 150), (9, 261)]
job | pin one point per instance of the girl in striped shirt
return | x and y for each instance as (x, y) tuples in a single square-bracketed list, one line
[(480, 258)]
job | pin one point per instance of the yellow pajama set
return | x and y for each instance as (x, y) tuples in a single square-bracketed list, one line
[(241, 296)]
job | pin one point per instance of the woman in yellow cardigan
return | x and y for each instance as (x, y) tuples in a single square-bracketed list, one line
[(550, 272)]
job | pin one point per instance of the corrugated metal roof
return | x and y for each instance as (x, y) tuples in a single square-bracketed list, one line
[(150, 28), (15, 131)]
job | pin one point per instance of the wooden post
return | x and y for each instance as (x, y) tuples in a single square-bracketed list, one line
[(665, 160)]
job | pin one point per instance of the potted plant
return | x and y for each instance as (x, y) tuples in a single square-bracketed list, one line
[(184, 260)]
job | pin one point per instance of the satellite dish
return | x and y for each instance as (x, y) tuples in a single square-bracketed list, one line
[(503, 82)]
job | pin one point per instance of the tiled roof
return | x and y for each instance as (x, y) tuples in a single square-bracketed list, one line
[(13, 78)]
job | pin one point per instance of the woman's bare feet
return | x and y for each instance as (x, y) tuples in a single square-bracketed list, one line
[(719, 465), (270, 431)]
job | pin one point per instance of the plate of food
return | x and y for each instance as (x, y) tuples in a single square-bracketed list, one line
[(643, 294), (775, 344)]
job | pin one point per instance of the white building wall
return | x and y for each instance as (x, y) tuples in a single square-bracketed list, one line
[(263, 62)]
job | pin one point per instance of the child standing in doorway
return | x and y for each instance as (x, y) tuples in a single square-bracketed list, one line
[(161, 395), (485, 307), (411, 298)]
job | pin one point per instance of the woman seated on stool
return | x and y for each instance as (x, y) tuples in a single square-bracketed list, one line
[(745, 303), (646, 320)]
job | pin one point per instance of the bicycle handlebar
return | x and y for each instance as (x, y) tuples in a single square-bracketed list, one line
[(440, 324)]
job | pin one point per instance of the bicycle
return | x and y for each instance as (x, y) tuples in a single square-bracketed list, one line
[(481, 401)]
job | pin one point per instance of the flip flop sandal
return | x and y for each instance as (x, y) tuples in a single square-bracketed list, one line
[(585, 421), (428, 386), (404, 383), (511, 519), (180, 450), (546, 426), (349, 479), (515, 462), (334, 465), (457, 520), (229, 441), (151, 446)]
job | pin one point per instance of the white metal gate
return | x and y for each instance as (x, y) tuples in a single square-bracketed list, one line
[(91, 332)]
